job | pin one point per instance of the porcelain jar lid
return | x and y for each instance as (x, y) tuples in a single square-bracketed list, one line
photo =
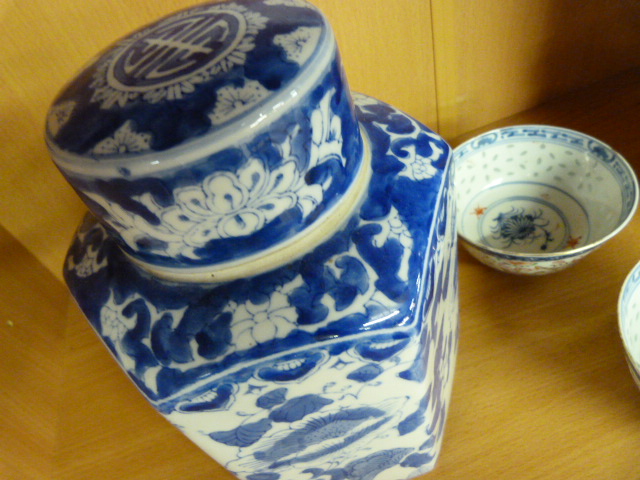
[(213, 136)]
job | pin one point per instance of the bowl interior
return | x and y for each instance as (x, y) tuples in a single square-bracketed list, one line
[(629, 317), (541, 190)]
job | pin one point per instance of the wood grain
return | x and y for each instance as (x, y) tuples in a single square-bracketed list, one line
[(497, 58), (387, 51), (33, 308)]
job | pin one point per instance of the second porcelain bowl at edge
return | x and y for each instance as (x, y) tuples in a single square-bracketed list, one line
[(629, 320), (535, 199)]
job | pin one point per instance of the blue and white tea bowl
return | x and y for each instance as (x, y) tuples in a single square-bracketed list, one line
[(535, 199), (629, 321), (271, 259)]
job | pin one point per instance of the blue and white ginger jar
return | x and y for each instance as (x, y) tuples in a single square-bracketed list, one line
[(271, 259)]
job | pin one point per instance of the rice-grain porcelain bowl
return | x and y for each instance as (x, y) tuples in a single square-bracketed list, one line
[(535, 199), (629, 320)]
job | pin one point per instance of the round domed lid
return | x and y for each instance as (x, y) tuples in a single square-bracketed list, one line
[(213, 136), (188, 76)]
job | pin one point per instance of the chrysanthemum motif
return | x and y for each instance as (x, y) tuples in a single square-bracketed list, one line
[(300, 44), (163, 63), (234, 204), (518, 228), (418, 153), (229, 205), (254, 324), (89, 265), (233, 101), (114, 325), (421, 168), (124, 140), (399, 230), (59, 115)]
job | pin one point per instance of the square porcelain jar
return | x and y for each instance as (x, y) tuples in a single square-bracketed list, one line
[(269, 257)]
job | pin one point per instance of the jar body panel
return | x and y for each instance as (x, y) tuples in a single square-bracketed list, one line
[(339, 362)]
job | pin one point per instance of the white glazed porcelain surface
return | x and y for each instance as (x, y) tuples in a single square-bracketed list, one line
[(535, 199), (629, 320)]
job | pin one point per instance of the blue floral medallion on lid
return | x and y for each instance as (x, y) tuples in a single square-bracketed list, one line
[(212, 135)]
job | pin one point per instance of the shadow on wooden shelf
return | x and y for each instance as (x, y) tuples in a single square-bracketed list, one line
[(565, 324), (33, 307)]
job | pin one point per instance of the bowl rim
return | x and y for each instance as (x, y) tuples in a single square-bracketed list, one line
[(552, 256), (624, 291)]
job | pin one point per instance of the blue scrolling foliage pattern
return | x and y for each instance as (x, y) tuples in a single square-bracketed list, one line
[(278, 184), (316, 366)]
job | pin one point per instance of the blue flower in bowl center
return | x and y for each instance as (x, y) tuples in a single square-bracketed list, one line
[(518, 228)]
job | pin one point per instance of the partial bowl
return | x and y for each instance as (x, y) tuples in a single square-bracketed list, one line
[(629, 320), (535, 199)]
